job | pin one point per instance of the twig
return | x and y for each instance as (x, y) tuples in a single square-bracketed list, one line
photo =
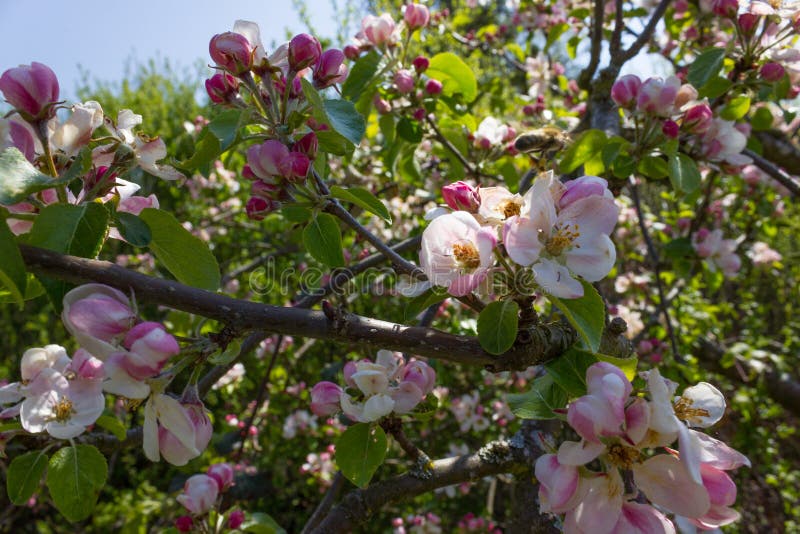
[(585, 78), (326, 503), (619, 24), (456, 152), (773, 171), (620, 58)]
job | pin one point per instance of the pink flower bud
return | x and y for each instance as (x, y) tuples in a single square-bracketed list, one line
[(257, 208), (199, 494), (747, 23), (330, 69), (221, 87), (625, 91), (433, 87), (294, 167), (308, 145), (231, 51), (21, 138), (379, 31), (725, 8), (266, 190), (223, 474), (351, 52), (184, 523), (248, 173), (461, 196), (687, 93), (416, 16), (421, 374), (698, 119), (236, 519), (772, 71), (421, 64), (104, 316), (325, 398), (31, 90), (404, 81), (304, 51), (381, 106), (265, 159), (657, 96), (419, 114), (670, 129), (348, 371), (581, 188), (85, 366), (171, 447)]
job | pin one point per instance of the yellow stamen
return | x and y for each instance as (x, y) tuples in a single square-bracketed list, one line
[(562, 238), (684, 411), (622, 456), (63, 410), (467, 255), (509, 208)]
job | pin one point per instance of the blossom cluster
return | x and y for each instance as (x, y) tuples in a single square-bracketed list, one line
[(375, 389), (201, 494), (118, 355), (620, 435), (555, 231)]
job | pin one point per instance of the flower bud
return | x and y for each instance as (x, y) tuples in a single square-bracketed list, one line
[(184, 523), (235, 519), (171, 447), (416, 16), (31, 89), (379, 31), (420, 374), (231, 51), (199, 494), (433, 87), (104, 315), (747, 23), (625, 91), (725, 8), (687, 93), (772, 71), (670, 129), (698, 119), (421, 64), (657, 96), (404, 81), (330, 69), (352, 52), (304, 51), (308, 145), (265, 159), (223, 474), (257, 208), (20, 137), (221, 87), (461, 196), (267, 191), (85, 366), (583, 187), (294, 167), (325, 398)]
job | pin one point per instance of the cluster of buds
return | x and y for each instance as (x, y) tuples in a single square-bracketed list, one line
[(492, 133), (619, 433), (556, 231), (375, 389), (670, 108), (201, 494)]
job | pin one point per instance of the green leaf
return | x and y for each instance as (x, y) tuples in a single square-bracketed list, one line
[(133, 229), (261, 523), (569, 370), (362, 198), (409, 130), (456, 76), (360, 451), (334, 143), (628, 365), (185, 256), (421, 302), (226, 356), (344, 118), (762, 119), (24, 475), (68, 229), (75, 477), (323, 240), (33, 290), (706, 66), (715, 88), (218, 136), (113, 425), (653, 167), (555, 32), (683, 173), (20, 178), (586, 314), (497, 326), (296, 214), (12, 268), (585, 147), (736, 108), (538, 403), (360, 76), (678, 248)]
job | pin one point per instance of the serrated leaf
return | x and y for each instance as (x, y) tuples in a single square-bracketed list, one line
[(569, 370), (24, 475), (706, 66), (75, 477), (323, 240), (497, 326), (362, 198), (360, 451), (456, 76), (589, 144), (12, 268), (683, 173), (544, 397), (361, 75), (344, 118), (20, 178), (586, 314), (133, 229), (68, 229), (187, 257), (113, 425)]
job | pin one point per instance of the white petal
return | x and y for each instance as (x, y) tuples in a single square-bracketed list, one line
[(172, 416), (378, 406), (150, 432), (556, 280), (707, 398)]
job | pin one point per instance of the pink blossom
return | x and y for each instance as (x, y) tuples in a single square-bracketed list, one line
[(404, 81), (199, 494), (173, 450), (98, 316), (379, 31), (625, 91), (558, 484), (231, 51), (416, 16), (76, 132), (149, 347), (457, 252), (222, 87), (330, 69), (223, 474), (304, 51), (461, 196), (31, 90), (325, 398), (698, 119), (657, 96), (421, 374), (719, 252)]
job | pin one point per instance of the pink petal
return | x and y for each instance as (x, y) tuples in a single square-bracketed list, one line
[(666, 482)]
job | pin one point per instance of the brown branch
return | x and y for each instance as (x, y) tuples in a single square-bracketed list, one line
[(548, 341), (620, 58), (585, 78), (326, 502), (778, 148), (774, 172), (357, 506)]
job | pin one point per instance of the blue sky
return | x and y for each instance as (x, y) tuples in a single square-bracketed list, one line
[(102, 35)]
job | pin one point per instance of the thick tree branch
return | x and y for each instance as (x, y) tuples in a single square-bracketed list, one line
[(357, 506), (585, 78)]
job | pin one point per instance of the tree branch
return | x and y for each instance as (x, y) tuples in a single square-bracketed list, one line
[(774, 171), (645, 36), (585, 78)]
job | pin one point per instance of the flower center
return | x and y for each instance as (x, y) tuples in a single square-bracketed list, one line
[(509, 208), (622, 456), (561, 239), (467, 255), (63, 410), (685, 412)]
